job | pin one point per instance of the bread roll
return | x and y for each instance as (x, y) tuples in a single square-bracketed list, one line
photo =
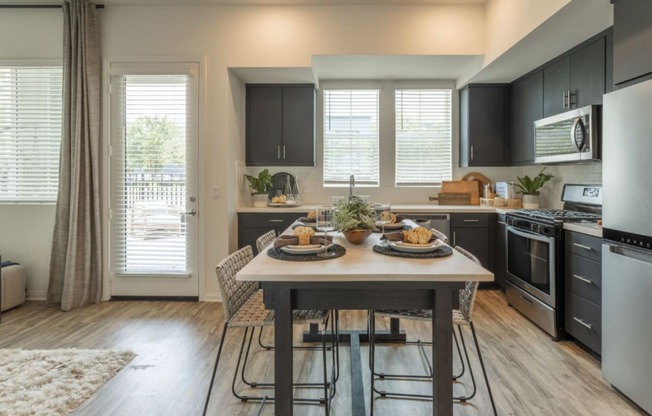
[(418, 235), (304, 234)]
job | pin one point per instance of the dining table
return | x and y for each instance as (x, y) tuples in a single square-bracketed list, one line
[(362, 279)]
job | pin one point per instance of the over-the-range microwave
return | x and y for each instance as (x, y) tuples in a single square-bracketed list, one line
[(570, 137)]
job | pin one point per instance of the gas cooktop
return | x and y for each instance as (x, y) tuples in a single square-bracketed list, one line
[(555, 215)]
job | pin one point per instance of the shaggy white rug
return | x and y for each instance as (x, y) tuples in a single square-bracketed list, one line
[(54, 382)]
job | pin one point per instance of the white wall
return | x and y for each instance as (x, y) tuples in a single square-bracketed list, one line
[(230, 36)]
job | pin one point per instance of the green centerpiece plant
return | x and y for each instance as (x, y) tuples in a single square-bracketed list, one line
[(355, 219)]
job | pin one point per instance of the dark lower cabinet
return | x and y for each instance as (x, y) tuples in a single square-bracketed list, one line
[(253, 225), (472, 232), (583, 290), (632, 39), (500, 261)]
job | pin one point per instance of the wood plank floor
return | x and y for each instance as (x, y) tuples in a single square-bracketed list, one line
[(176, 343)]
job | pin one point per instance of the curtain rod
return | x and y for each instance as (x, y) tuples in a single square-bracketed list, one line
[(38, 6)]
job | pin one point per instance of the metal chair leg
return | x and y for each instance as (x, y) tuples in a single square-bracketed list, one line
[(372, 345), (466, 354), (323, 352), (217, 360), (484, 371)]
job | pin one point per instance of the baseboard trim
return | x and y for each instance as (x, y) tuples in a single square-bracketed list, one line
[(155, 298), (39, 295), (212, 297)]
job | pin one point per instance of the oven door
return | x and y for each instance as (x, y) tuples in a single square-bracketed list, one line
[(531, 263)]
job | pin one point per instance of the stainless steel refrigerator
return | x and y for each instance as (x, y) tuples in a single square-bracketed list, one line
[(627, 249)]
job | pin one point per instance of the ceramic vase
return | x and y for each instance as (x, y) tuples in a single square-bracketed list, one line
[(259, 200), (531, 201)]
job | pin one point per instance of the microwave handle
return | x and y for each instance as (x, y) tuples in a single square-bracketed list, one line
[(524, 234)]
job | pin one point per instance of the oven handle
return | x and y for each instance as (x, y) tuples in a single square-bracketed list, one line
[(531, 236)]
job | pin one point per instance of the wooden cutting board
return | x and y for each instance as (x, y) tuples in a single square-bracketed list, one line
[(470, 187)]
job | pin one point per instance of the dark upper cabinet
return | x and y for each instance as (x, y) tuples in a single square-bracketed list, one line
[(632, 39), (526, 108), (484, 125), (576, 80), (280, 125)]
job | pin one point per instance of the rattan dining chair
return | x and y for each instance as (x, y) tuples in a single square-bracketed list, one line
[(461, 317), (244, 308), (443, 237)]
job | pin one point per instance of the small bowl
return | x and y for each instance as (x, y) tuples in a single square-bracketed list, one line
[(356, 236)]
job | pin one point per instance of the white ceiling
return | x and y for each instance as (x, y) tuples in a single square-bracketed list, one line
[(257, 2)]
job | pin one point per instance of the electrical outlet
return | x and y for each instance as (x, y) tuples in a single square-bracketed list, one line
[(305, 189), (217, 191)]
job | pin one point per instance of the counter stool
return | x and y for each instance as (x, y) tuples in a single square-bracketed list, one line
[(461, 317), (244, 308)]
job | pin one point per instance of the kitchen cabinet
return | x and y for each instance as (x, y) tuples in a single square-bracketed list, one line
[(253, 225), (575, 80), (526, 108), (280, 125), (632, 37), (472, 232), (484, 125), (583, 289), (500, 261)]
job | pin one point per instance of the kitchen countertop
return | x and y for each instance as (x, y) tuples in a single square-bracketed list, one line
[(588, 228), (412, 208)]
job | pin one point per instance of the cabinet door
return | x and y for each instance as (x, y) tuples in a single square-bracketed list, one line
[(587, 74), (483, 125), (298, 126), (556, 83), (264, 125), (632, 39), (527, 107), (474, 240)]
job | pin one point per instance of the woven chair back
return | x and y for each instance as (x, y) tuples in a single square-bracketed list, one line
[(265, 240), (234, 293), (468, 294), (443, 237)]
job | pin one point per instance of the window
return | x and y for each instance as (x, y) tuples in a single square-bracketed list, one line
[(351, 137), (30, 133), (423, 137)]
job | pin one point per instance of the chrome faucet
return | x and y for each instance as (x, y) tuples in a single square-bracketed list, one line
[(351, 186)]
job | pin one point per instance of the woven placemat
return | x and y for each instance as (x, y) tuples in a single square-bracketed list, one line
[(443, 251), (277, 254)]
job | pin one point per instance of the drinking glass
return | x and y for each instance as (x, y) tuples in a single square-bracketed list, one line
[(383, 213), (325, 224)]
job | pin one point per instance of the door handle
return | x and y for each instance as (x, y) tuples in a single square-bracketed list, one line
[(275, 220), (471, 220), (582, 279), (526, 299), (278, 151), (454, 239), (563, 100), (283, 152), (581, 322), (471, 152), (582, 246), (191, 212)]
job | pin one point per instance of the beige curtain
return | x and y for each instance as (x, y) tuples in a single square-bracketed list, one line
[(76, 262)]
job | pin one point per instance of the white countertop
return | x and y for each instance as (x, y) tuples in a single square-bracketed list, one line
[(414, 208), (584, 228), (361, 263)]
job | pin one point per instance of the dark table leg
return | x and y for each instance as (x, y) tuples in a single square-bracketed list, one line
[(283, 352), (442, 353)]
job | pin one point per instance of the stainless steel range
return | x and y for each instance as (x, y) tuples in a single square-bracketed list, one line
[(535, 249)]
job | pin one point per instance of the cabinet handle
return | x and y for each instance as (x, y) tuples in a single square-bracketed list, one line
[(568, 99), (275, 220), (471, 152), (582, 246), (582, 279), (526, 299), (454, 239), (581, 322), (283, 152), (278, 152), (563, 100), (471, 220)]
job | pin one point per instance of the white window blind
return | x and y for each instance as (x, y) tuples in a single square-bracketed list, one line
[(351, 137), (30, 133), (156, 114), (423, 137)]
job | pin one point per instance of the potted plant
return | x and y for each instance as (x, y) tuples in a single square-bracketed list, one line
[(260, 185), (355, 219), (530, 188)]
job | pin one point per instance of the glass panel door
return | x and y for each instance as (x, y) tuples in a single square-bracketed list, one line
[(530, 259), (154, 184)]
